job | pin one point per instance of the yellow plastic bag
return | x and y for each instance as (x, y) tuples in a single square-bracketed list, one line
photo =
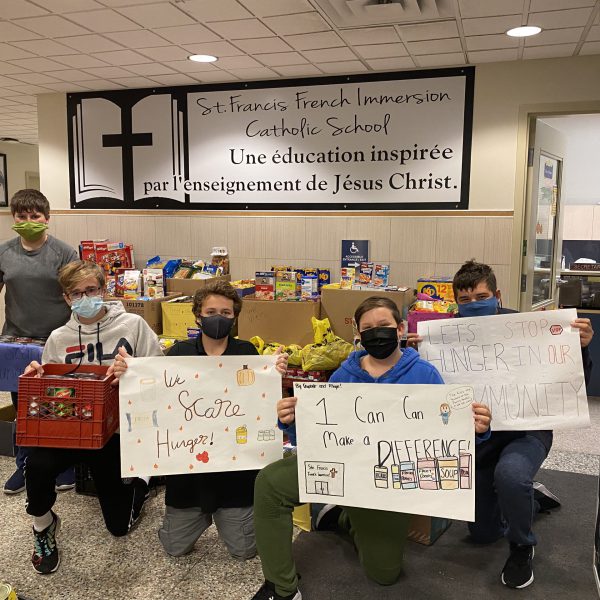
[(322, 331), (295, 355), (258, 343), (328, 352)]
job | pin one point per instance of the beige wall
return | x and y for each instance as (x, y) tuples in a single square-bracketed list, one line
[(19, 158)]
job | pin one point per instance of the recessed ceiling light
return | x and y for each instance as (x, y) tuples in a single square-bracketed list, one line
[(202, 58), (524, 31)]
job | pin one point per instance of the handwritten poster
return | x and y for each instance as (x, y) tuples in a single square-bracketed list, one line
[(526, 367), (402, 448), (199, 414)]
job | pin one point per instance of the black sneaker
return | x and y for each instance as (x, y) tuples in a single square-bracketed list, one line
[(267, 592), (326, 517), (545, 499), (46, 558), (518, 570), (141, 492), (15, 484)]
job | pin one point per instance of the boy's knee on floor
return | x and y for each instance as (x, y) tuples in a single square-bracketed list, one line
[(171, 546)]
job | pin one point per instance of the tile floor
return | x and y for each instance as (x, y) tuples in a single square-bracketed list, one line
[(96, 566)]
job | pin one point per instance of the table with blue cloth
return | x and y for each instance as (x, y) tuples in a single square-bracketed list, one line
[(14, 357)]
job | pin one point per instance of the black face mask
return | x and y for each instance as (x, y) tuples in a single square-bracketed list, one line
[(216, 327), (380, 342)]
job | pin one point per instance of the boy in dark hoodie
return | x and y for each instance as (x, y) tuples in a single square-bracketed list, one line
[(93, 335), (378, 535)]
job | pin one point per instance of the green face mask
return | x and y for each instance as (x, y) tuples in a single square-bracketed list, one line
[(30, 231)]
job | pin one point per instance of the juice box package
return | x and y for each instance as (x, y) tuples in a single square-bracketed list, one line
[(265, 285), (310, 287), (439, 288), (324, 277), (365, 273), (285, 285), (347, 278), (153, 283), (381, 276)]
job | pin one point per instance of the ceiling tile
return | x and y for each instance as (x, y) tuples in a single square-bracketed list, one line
[(137, 39), (90, 43), (134, 82), (16, 9), (175, 79), (484, 56), (349, 66), (35, 78), (122, 57), (238, 62), (66, 86), (223, 10), (187, 34), (9, 32), (67, 6), (191, 67), (428, 31), (391, 64), (23, 98), (28, 89), (590, 48), (103, 21), (119, 3), (39, 64), (477, 8), (71, 75), (549, 51), (487, 25), (382, 50), (556, 19), (270, 8), (543, 5), (101, 85), (240, 30), (298, 71), (215, 77), (281, 58), (7, 68), (52, 26), (441, 60), (256, 73), (108, 72), (8, 52), (555, 36), (165, 53), (329, 55), (315, 41), (80, 61), (592, 36), (372, 35), (44, 47), (310, 22), (150, 69), (157, 15), (217, 49), (435, 46), (273, 44), (491, 42), (7, 81)]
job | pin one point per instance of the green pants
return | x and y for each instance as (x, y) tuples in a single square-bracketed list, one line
[(379, 536)]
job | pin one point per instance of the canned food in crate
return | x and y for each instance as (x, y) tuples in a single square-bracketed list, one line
[(7, 592), (60, 392)]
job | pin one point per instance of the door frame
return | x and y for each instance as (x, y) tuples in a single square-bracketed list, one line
[(527, 114)]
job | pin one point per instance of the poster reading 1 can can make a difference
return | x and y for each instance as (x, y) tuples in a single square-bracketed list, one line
[(402, 448)]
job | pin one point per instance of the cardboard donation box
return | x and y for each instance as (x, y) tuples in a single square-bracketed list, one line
[(149, 310), (188, 287), (339, 306), (284, 322), (177, 317), (425, 530), (7, 430)]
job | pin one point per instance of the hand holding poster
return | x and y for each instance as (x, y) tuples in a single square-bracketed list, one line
[(526, 367), (402, 448), (190, 414)]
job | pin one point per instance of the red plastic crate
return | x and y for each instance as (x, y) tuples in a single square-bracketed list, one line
[(86, 419)]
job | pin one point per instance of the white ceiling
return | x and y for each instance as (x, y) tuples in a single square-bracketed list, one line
[(51, 46)]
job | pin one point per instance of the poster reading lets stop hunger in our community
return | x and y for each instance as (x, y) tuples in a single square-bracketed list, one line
[(192, 414), (402, 448), (526, 367)]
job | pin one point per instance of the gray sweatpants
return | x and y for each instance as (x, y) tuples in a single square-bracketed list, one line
[(182, 527)]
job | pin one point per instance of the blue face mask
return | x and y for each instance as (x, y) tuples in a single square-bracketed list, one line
[(479, 308), (87, 306)]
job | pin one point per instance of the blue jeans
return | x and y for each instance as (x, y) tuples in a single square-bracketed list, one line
[(504, 504)]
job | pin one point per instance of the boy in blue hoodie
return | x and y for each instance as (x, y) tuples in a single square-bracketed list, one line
[(378, 535)]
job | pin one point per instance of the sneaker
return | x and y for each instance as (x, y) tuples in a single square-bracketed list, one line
[(544, 497), (518, 570), (46, 558), (267, 592), (326, 518), (141, 492), (15, 484), (65, 481)]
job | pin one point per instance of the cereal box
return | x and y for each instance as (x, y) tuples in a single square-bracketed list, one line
[(265, 285), (381, 275), (310, 287), (438, 288), (365, 273), (285, 285)]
